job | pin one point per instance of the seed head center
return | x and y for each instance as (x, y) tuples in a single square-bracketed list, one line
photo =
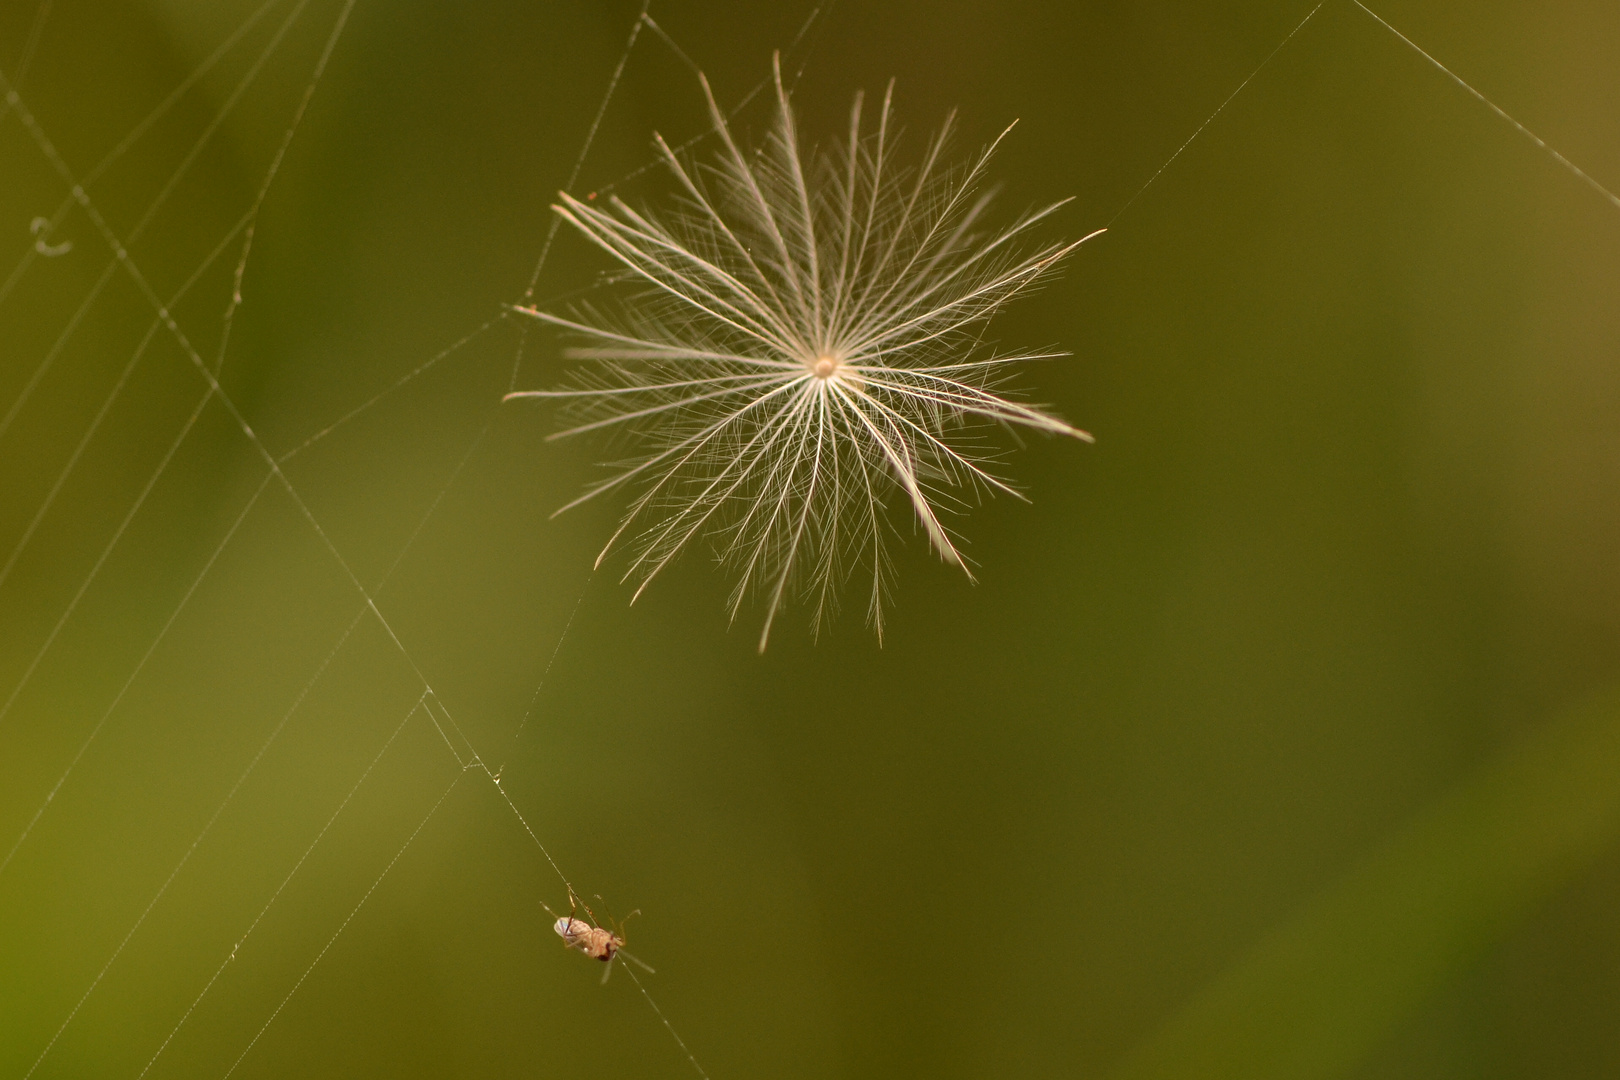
[(825, 366)]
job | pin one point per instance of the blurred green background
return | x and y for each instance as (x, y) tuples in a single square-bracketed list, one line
[(1279, 737)]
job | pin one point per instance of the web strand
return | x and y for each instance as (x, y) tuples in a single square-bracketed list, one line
[(1218, 110), (36, 28), (420, 369), (590, 139), (662, 1019), (122, 258), (1574, 170), (101, 414), (161, 110), (1537, 140), (196, 842), (798, 39), (140, 665), (166, 319), (573, 178), (534, 701), (344, 926), (319, 836), (13, 100), (421, 703), (275, 169), (45, 365)]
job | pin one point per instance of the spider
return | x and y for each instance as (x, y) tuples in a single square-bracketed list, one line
[(595, 941)]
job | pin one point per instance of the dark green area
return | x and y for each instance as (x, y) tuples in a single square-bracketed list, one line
[(1278, 737)]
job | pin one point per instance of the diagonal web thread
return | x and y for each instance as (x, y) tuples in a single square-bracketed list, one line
[(156, 204), (1537, 140), (95, 424)]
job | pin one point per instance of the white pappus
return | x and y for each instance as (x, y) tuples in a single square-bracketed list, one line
[(801, 344)]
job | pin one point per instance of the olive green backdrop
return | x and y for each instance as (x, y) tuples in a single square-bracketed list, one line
[(1279, 737)]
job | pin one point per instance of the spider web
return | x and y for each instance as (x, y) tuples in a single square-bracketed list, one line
[(340, 733), (245, 59)]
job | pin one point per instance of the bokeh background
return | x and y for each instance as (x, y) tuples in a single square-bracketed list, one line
[(1279, 737)]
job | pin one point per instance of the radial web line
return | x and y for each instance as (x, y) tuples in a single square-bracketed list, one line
[(77, 189), (13, 100), (590, 137), (190, 850), (680, 53), (270, 176), (1538, 141), (224, 111), (421, 368), (161, 109), (1218, 110), (139, 667), (275, 471), (421, 703), (799, 38), (476, 761), (643, 19), (528, 302), (121, 256), (344, 926), (544, 673), (573, 177), (471, 761), (268, 904), (667, 1025), (106, 406), (60, 343), (135, 133), (432, 507), (36, 28), (1574, 169)]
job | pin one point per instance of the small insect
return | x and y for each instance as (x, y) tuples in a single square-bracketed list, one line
[(595, 941)]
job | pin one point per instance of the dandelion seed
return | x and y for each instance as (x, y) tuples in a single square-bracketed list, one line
[(803, 346)]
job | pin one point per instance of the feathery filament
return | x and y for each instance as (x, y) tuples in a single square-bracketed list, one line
[(804, 344)]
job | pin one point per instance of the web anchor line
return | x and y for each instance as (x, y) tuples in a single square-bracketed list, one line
[(213, 819), (84, 441), (13, 101), (1218, 110), (150, 649), (134, 135), (1574, 169), (1538, 141), (344, 926), (254, 925)]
